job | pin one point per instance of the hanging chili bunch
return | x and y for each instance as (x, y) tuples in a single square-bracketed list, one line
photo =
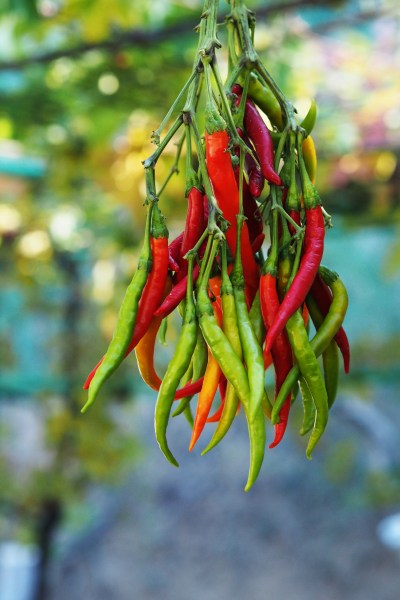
[(245, 304)]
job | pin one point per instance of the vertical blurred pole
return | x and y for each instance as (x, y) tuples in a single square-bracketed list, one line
[(50, 514)]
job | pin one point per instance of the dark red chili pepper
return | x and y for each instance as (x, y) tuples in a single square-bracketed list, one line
[(256, 178), (256, 182), (310, 261), (259, 134), (323, 297), (258, 242), (153, 290), (176, 295), (251, 211), (174, 251), (222, 176)]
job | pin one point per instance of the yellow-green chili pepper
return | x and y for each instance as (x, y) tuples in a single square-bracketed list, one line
[(176, 369)]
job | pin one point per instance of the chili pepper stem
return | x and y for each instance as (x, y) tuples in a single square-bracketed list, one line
[(155, 136), (151, 161), (174, 168)]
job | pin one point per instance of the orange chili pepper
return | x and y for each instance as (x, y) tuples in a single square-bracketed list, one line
[(206, 397)]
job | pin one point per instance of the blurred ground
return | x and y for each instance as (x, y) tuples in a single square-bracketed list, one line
[(192, 532)]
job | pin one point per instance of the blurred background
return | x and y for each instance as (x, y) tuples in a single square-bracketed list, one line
[(88, 505)]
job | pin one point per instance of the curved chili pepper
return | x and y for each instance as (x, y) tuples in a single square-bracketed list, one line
[(323, 296), (310, 370), (227, 413), (309, 120), (259, 134), (153, 290), (310, 261), (126, 318)]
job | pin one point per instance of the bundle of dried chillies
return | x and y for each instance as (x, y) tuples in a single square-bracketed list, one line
[(245, 306)]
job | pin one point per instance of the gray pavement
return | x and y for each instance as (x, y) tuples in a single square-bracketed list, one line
[(192, 533)]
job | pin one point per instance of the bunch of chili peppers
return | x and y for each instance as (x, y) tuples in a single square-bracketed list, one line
[(245, 274)]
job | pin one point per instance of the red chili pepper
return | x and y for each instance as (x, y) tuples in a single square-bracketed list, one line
[(153, 290), (194, 227), (176, 295), (222, 176), (323, 297), (310, 261), (259, 134), (281, 350), (174, 251)]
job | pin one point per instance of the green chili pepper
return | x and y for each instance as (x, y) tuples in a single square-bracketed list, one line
[(189, 416), (176, 369), (266, 100), (252, 352), (308, 407), (229, 316), (310, 370), (126, 318), (235, 373), (228, 415), (184, 401), (309, 120), (257, 323), (330, 362), (330, 356), (162, 334), (199, 363), (323, 336), (256, 319)]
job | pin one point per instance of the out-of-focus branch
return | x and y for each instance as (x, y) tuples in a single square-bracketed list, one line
[(141, 37)]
